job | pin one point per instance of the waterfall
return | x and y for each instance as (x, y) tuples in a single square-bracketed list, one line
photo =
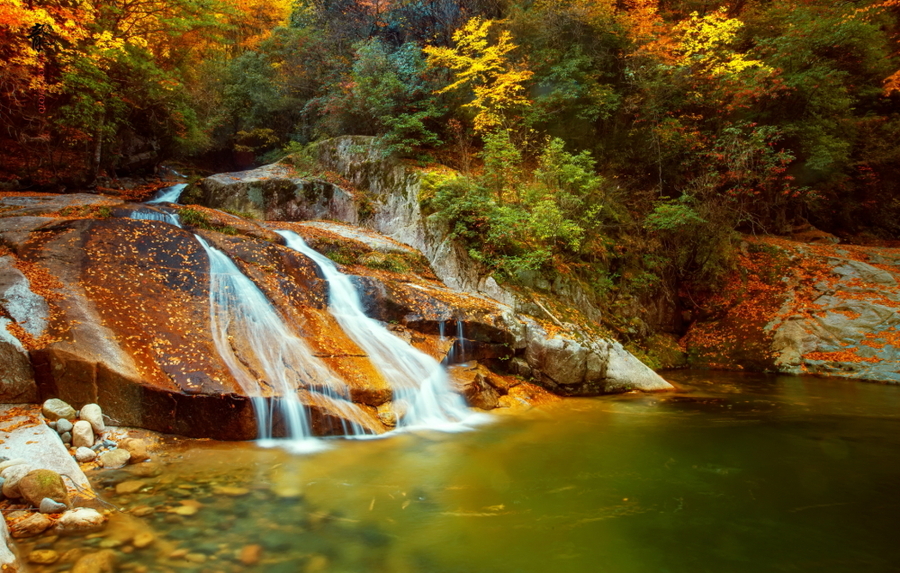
[(420, 383), (267, 359), (170, 218), (168, 194)]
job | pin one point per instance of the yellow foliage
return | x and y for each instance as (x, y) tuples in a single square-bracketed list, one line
[(706, 43), (483, 66)]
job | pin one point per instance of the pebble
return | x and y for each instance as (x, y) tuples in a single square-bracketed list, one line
[(93, 414), (63, 426), (114, 458), (84, 455), (185, 510), (130, 486), (43, 557), (142, 540), (231, 490), (143, 511), (54, 409), (196, 557), (50, 506), (82, 434), (178, 554), (110, 543), (250, 554), (66, 437), (100, 562)]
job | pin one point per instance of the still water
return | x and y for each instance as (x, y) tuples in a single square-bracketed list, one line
[(734, 473)]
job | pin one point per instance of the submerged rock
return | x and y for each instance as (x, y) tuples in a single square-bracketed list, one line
[(114, 458), (100, 562)]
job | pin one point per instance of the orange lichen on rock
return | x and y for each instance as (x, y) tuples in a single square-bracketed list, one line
[(840, 356)]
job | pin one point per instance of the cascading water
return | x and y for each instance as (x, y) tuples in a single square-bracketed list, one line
[(170, 218), (168, 194), (420, 382), (266, 358)]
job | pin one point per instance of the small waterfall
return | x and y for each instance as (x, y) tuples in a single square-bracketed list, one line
[(460, 341), (419, 381), (168, 194), (170, 218), (267, 359)]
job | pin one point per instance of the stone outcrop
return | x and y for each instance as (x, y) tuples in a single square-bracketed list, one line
[(384, 195), (822, 308)]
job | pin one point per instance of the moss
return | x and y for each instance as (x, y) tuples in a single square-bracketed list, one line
[(192, 195), (385, 262)]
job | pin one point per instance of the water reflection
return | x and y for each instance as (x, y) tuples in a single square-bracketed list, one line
[(733, 473)]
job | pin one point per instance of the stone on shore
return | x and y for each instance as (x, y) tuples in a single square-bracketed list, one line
[(50, 506), (63, 426), (137, 448), (114, 458), (55, 409), (39, 484), (31, 526), (12, 476), (80, 520), (84, 455), (82, 434), (93, 414)]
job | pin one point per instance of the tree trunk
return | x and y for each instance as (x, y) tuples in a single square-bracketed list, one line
[(98, 153)]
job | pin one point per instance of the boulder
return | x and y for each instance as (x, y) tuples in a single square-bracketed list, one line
[(31, 526), (11, 478), (82, 434), (115, 458), (94, 415), (79, 521), (55, 409), (39, 484)]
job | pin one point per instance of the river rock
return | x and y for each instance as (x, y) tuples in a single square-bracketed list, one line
[(100, 562), (137, 448), (80, 520), (31, 526), (82, 434), (43, 557), (93, 414), (63, 426), (66, 438), (142, 540), (250, 554), (84, 455), (12, 476), (54, 409), (50, 506), (114, 458), (39, 484)]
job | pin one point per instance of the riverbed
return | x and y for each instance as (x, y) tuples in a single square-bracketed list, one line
[(732, 473)]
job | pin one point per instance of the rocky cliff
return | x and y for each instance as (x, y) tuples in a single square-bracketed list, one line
[(99, 306)]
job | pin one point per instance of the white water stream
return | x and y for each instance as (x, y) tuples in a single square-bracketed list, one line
[(168, 194), (269, 361), (422, 394)]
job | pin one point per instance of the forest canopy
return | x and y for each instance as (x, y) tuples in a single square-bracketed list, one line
[(619, 141)]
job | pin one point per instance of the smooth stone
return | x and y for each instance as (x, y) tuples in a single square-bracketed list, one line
[(100, 562), (40, 484), (137, 449), (82, 434), (43, 557), (51, 506), (130, 486), (93, 414), (185, 510), (66, 438), (80, 520), (53, 425), (143, 511), (142, 540), (12, 476), (231, 491), (63, 426), (55, 409), (31, 526), (250, 554), (84, 455), (10, 463), (114, 458)]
